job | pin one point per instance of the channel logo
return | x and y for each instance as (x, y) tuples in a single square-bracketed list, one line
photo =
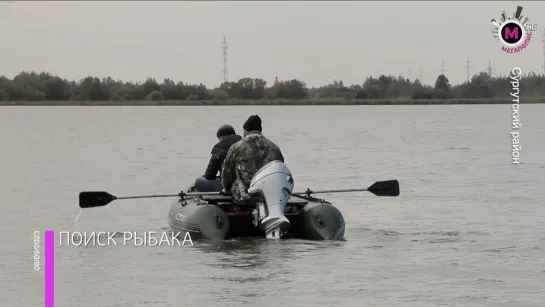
[(513, 33)]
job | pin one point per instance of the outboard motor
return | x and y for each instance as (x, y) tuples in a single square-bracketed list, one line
[(273, 185)]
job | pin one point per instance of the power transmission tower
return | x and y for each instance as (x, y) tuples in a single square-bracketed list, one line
[(467, 68), (442, 68), (420, 75), (224, 52), (489, 69)]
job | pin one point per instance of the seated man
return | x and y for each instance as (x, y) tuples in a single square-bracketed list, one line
[(245, 158), (208, 182)]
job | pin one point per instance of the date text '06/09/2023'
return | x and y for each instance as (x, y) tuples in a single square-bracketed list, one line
[(102, 238), (36, 250)]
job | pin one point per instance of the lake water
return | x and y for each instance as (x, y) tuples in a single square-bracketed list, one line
[(467, 230)]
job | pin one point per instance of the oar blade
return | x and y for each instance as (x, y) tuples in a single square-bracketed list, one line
[(385, 188), (92, 199)]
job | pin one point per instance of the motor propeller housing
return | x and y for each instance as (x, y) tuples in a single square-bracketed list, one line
[(272, 185)]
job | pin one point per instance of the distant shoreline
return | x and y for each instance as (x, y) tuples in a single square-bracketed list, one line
[(287, 102)]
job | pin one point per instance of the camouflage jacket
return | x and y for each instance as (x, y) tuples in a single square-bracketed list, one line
[(243, 160)]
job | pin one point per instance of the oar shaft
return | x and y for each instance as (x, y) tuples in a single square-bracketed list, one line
[(332, 191), (147, 196), (169, 195)]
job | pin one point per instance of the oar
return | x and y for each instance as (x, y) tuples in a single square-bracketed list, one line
[(91, 199), (379, 188)]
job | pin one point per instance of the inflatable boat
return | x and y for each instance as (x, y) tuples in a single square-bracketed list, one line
[(273, 211)]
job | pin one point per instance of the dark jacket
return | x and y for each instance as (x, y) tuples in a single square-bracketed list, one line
[(219, 152)]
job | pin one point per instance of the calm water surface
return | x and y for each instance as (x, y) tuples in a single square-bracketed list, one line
[(467, 230)]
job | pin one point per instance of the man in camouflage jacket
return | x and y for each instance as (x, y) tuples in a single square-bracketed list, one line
[(245, 158)]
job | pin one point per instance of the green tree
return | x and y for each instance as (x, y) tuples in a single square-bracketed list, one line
[(33, 86)]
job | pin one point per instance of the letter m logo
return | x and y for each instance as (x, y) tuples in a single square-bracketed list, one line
[(511, 33)]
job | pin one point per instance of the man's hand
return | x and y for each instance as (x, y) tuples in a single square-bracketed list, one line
[(224, 192)]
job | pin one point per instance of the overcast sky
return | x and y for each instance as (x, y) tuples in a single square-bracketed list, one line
[(313, 41)]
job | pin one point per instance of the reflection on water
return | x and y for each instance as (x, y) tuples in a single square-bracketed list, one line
[(258, 266)]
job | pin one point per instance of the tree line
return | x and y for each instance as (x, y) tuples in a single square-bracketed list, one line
[(32, 86)]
